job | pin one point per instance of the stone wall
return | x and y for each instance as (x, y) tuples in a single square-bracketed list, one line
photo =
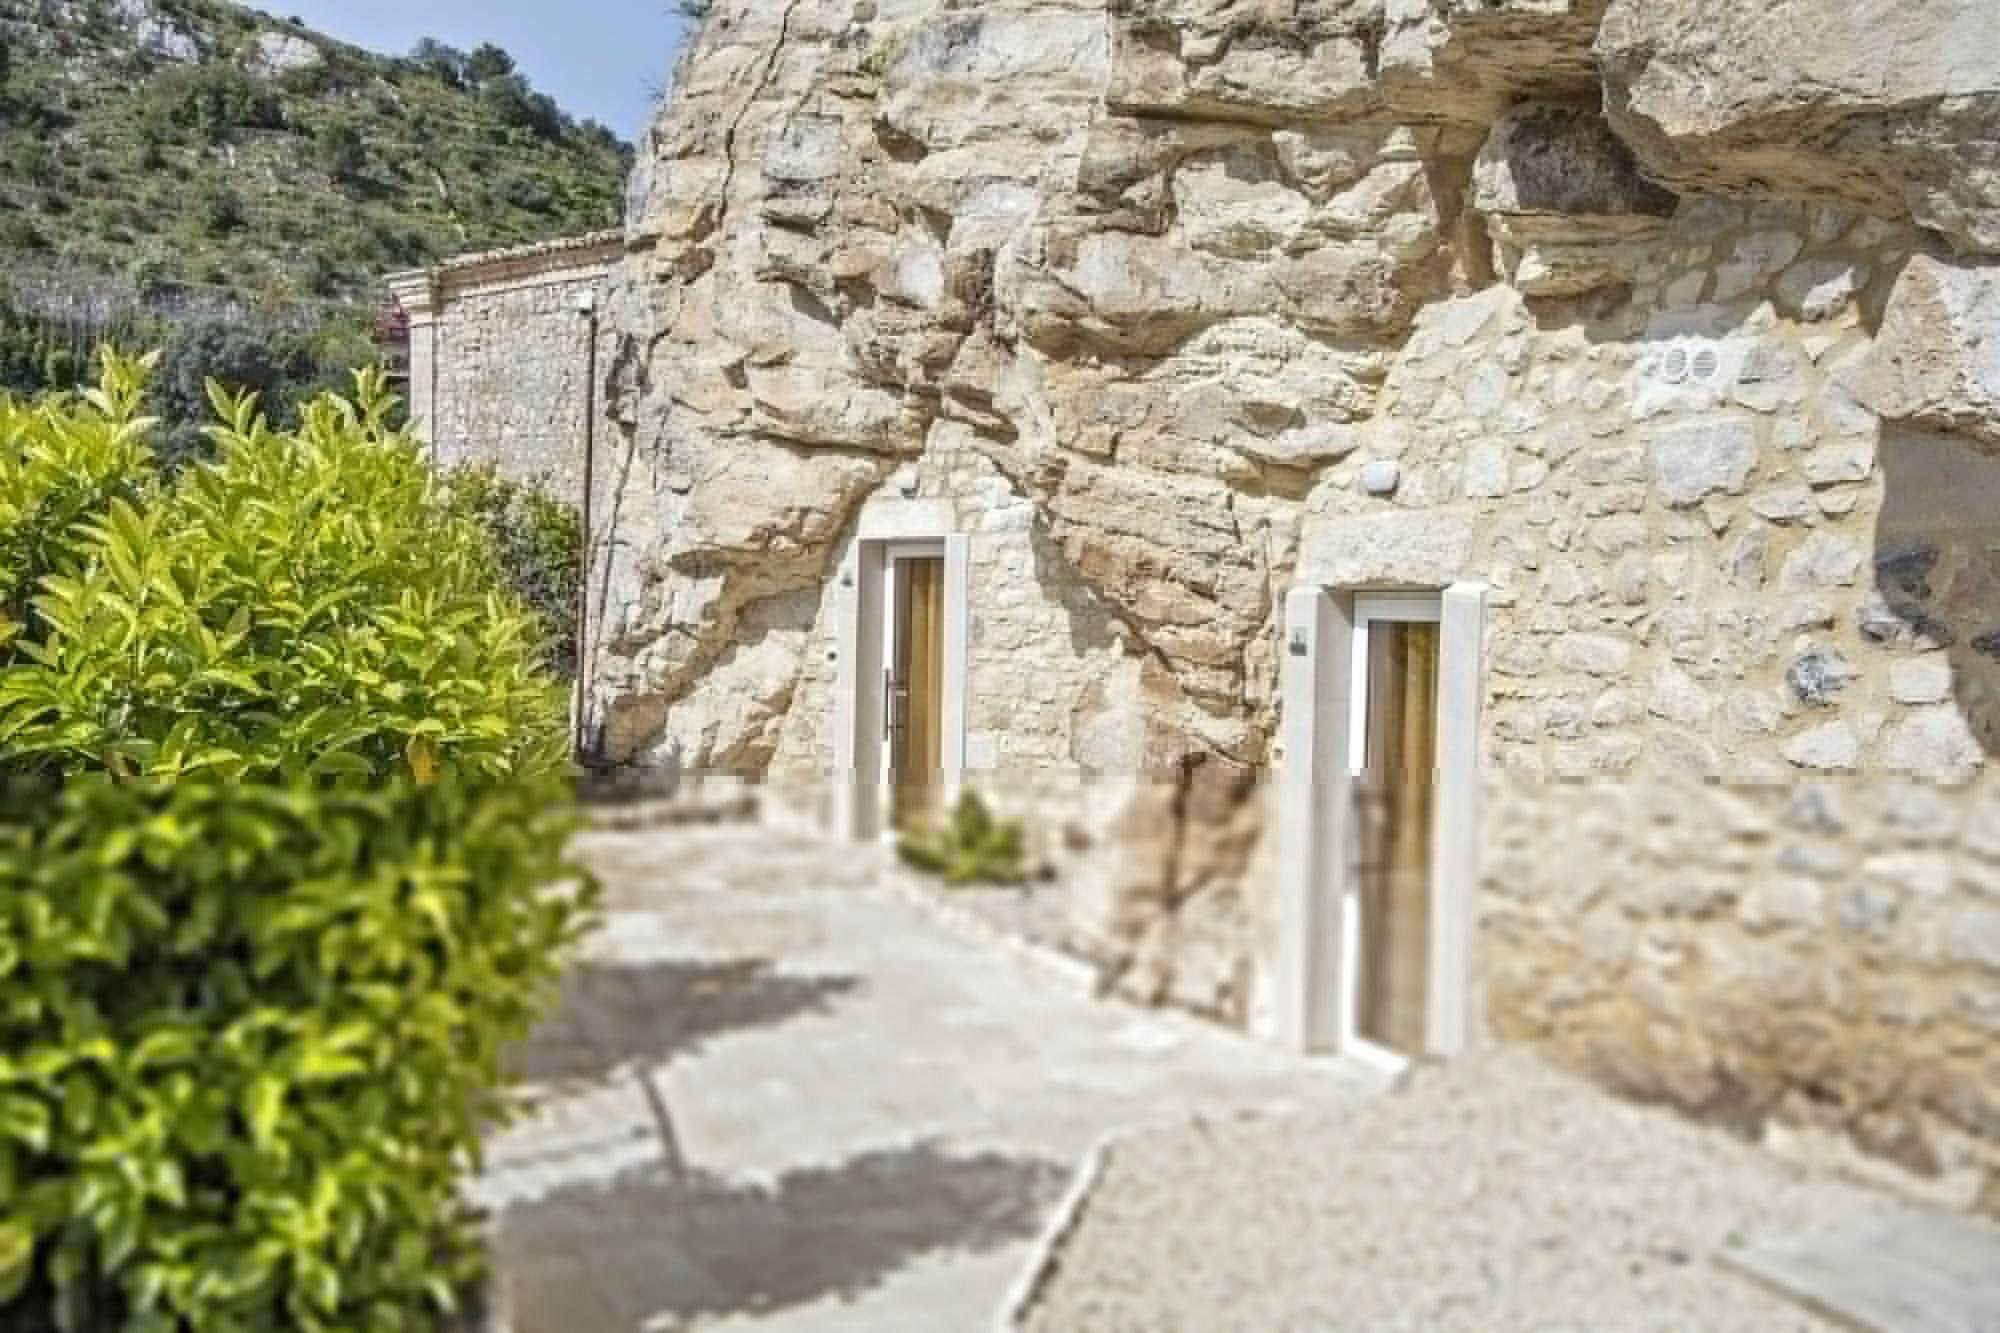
[(1676, 336), (499, 356), (1740, 842)]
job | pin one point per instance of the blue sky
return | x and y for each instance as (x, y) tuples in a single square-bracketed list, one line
[(603, 59)]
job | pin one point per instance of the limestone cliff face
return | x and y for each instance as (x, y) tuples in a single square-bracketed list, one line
[(1152, 261), (1623, 293)]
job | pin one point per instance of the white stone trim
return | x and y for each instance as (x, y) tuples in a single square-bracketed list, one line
[(957, 661), (1454, 916), (1318, 637), (1315, 809), (906, 520), (857, 713)]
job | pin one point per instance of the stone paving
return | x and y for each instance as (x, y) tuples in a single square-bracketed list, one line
[(779, 1098)]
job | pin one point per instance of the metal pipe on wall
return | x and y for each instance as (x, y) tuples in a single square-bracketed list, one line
[(586, 304)]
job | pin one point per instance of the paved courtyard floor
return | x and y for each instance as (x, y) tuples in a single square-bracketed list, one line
[(779, 1098)]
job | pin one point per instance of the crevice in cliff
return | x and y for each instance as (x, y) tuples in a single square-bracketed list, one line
[(757, 91)]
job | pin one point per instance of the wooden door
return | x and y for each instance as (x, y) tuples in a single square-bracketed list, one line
[(1395, 792), (916, 690)]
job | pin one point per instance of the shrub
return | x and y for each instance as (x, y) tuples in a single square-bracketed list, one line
[(971, 848), (211, 349), (339, 150), (285, 367), (530, 196), (539, 542), (515, 103), (221, 212), (215, 100), (275, 873)]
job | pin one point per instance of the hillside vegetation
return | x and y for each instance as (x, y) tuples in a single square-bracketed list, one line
[(200, 151)]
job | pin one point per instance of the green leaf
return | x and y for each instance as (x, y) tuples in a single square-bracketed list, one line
[(340, 762), (164, 1046), (319, 1064), (25, 1120), (263, 1107), (322, 1285), (17, 1257)]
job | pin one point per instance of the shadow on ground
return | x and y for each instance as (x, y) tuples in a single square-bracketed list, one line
[(662, 1252), (613, 1015)]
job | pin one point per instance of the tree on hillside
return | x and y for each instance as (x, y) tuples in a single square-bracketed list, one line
[(488, 61), (517, 103), (445, 62)]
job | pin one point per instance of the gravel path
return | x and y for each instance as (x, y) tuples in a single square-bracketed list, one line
[(1490, 1196)]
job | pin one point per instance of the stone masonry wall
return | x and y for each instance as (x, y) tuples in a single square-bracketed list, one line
[(1741, 850), (499, 357)]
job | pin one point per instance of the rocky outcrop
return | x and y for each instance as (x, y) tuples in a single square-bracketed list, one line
[(1936, 360), (1891, 106), (1170, 303), (1564, 200)]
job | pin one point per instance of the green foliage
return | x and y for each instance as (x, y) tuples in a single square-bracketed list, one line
[(221, 211), (285, 366), (539, 543), (488, 61), (440, 61), (278, 870), (341, 171), (215, 101), (514, 102), (972, 847), (32, 356), (340, 151)]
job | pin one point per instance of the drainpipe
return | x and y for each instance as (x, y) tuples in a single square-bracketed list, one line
[(586, 305)]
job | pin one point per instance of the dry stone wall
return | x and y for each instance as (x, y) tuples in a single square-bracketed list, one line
[(1672, 323)]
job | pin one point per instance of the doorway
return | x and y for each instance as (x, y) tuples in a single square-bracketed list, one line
[(1379, 821), (913, 685), (1387, 900), (899, 705)]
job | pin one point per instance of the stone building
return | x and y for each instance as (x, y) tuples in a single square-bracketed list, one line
[(501, 353), (1451, 522)]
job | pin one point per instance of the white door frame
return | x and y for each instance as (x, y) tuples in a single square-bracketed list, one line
[(1323, 634), (860, 778)]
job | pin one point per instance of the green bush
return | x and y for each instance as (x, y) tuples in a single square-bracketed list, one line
[(971, 848), (285, 367), (280, 869), (539, 542)]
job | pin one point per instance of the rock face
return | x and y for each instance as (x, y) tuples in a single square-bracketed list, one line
[(1936, 360), (1892, 106), (1165, 307)]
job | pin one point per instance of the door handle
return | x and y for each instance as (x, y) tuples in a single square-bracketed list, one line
[(895, 697)]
